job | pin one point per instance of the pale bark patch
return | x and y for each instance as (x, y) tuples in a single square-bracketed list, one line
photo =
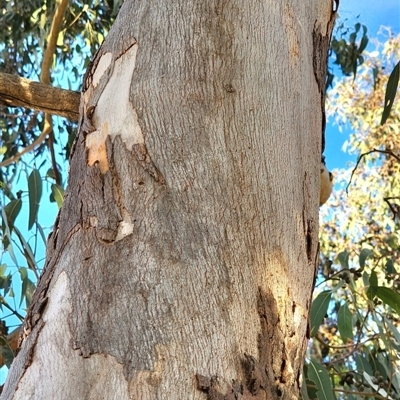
[(125, 227), (114, 105), (104, 63), (54, 359)]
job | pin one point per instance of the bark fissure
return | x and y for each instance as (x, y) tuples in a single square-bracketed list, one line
[(146, 163), (321, 40)]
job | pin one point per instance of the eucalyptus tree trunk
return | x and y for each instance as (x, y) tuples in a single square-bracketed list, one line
[(181, 265)]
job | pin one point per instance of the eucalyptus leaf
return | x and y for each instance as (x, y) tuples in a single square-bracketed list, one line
[(319, 308), (363, 364), (35, 194), (58, 194), (345, 323), (343, 258), (319, 375), (365, 253), (373, 285), (389, 297)]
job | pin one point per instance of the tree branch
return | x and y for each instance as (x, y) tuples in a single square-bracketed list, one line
[(52, 41), (21, 92), (45, 79)]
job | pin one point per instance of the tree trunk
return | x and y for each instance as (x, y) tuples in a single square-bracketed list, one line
[(181, 265)]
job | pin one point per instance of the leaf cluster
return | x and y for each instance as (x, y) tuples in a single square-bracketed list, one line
[(346, 51), (354, 328)]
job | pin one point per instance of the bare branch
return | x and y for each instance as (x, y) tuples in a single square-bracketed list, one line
[(21, 92), (366, 154), (52, 41), (45, 76)]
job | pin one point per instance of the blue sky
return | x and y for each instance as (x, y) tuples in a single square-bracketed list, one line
[(373, 14)]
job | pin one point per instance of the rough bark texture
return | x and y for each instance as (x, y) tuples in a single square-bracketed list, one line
[(182, 263)]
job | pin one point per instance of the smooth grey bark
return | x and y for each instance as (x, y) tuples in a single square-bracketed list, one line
[(182, 263)]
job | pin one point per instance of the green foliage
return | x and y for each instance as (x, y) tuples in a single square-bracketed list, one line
[(347, 50), (24, 27), (357, 340), (57, 194), (345, 323)]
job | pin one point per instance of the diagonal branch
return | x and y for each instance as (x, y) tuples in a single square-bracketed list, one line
[(45, 78)]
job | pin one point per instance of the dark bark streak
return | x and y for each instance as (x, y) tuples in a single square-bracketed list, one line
[(271, 347), (321, 42), (266, 376), (234, 391), (146, 163)]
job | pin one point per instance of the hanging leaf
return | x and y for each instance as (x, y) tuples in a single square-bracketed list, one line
[(345, 323), (12, 210), (40, 229), (395, 331), (343, 258), (362, 364), (318, 311), (58, 194), (35, 193), (304, 391), (319, 375), (29, 257), (390, 269), (391, 90), (370, 381), (373, 285), (365, 253), (24, 277), (30, 288), (389, 297)]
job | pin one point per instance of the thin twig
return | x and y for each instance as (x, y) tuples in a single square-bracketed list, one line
[(366, 154), (364, 394), (345, 346)]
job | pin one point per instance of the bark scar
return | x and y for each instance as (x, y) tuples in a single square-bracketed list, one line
[(144, 160)]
